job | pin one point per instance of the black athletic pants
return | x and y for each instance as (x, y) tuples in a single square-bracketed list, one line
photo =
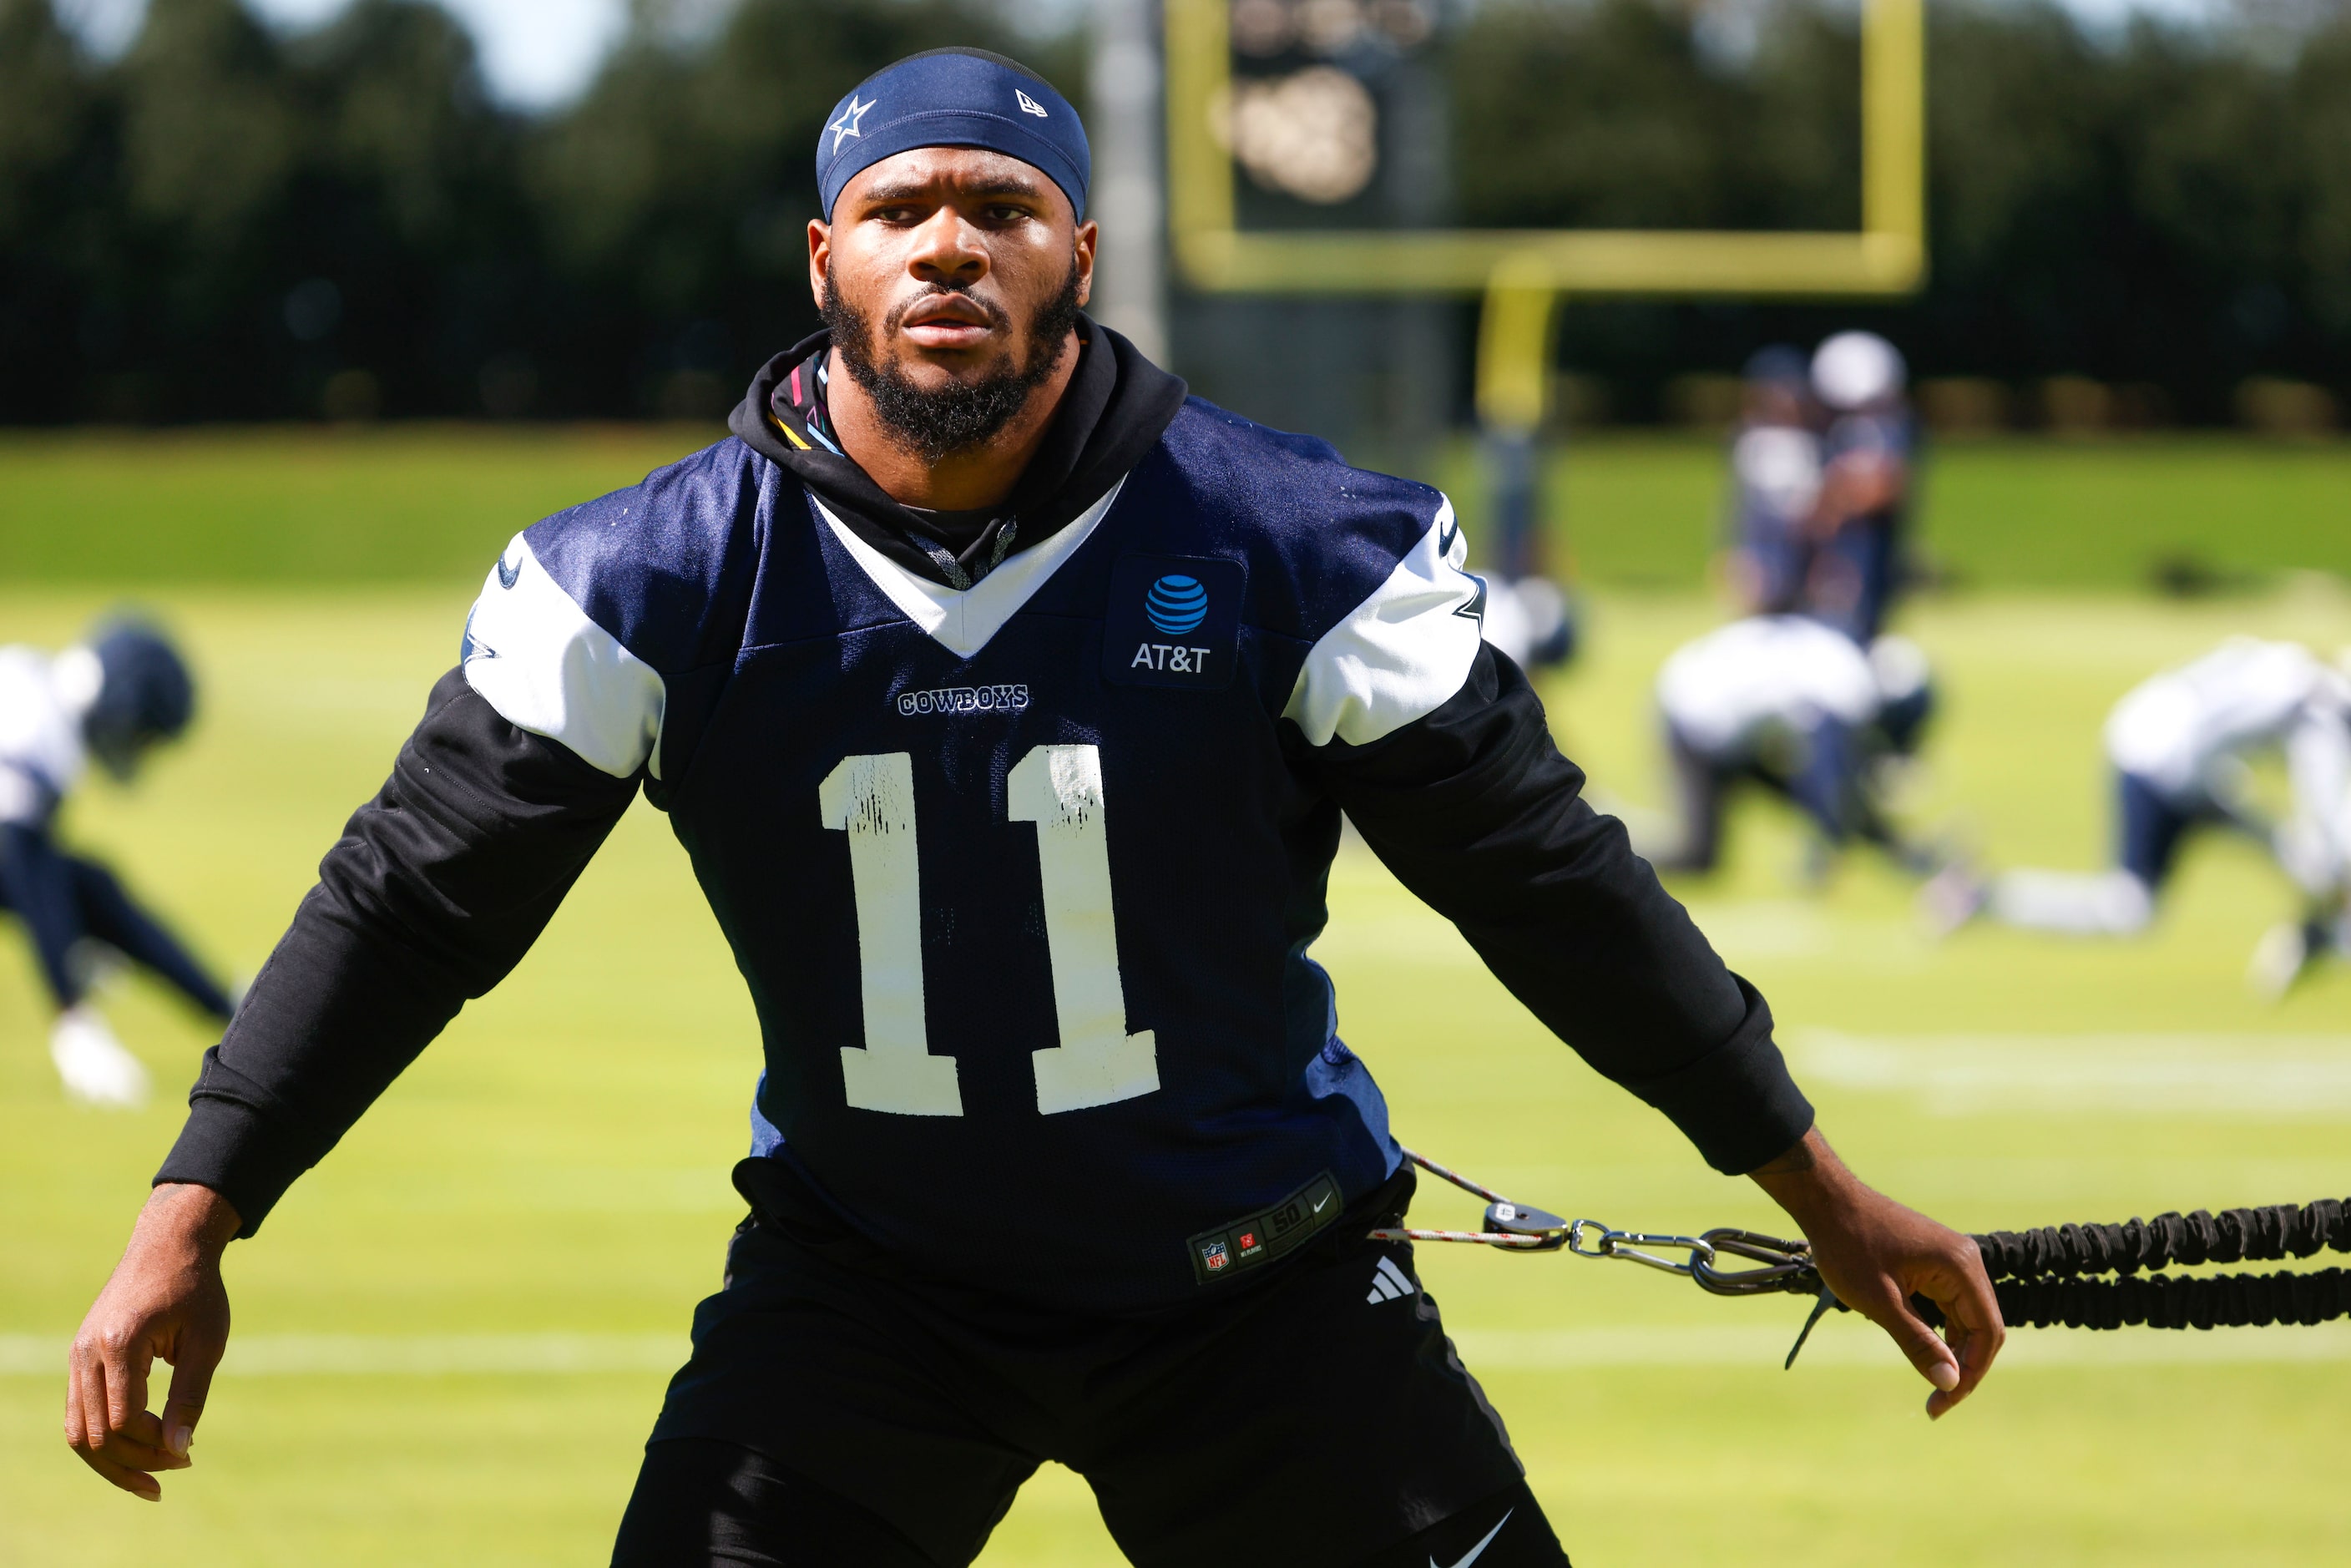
[(62, 898), (834, 1415), (702, 1502), (1817, 779), (1822, 779)]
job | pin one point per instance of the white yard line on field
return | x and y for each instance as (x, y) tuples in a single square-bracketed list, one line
[(2269, 1076), (1486, 1351), (1850, 1343), (397, 1355)]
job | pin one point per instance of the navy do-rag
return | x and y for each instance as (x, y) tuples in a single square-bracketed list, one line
[(954, 98)]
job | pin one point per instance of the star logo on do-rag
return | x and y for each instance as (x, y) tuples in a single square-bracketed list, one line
[(846, 126)]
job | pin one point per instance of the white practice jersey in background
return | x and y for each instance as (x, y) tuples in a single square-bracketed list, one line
[(1777, 470), (41, 754), (2186, 731), (1721, 691), (2175, 729)]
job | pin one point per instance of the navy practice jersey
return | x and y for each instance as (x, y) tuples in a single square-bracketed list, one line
[(1021, 877)]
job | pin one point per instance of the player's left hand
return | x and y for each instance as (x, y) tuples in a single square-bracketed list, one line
[(164, 1301), (1875, 1255)]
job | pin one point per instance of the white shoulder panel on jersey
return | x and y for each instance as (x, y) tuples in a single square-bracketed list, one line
[(1398, 655), (964, 619), (534, 656)]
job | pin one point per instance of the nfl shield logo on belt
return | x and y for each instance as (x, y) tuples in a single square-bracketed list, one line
[(1213, 1255)]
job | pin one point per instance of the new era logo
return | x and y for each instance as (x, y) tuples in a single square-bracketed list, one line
[(1388, 1283), (1029, 105)]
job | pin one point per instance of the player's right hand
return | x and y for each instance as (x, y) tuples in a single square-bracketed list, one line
[(166, 1300)]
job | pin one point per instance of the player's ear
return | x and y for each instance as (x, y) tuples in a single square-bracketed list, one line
[(1084, 259), (820, 238)]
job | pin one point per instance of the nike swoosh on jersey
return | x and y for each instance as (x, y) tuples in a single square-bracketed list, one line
[(1320, 1207), (1479, 1550)]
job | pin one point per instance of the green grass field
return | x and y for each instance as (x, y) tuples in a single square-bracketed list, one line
[(453, 1336), (433, 504)]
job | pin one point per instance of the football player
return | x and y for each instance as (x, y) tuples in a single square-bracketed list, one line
[(112, 699), (1775, 482), (1787, 704), (1860, 518), (1007, 702), (2177, 745)]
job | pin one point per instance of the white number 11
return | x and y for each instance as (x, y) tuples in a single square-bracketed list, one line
[(1060, 790)]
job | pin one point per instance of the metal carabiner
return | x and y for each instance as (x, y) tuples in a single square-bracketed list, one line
[(1628, 1245), (1787, 1265), (1783, 1265)]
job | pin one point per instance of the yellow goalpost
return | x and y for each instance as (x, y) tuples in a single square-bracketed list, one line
[(1522, 274)]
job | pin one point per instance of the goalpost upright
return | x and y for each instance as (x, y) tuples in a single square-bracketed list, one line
[(1522, 274)]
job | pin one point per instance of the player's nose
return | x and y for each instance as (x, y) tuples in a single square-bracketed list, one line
[(946, 247)]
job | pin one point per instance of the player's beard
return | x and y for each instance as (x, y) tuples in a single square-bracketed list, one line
[(960, 416)]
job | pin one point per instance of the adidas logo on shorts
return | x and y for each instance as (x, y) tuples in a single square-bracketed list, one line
[(1388, 1283)]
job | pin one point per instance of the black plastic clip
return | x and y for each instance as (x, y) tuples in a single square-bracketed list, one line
[(1821, 1309)]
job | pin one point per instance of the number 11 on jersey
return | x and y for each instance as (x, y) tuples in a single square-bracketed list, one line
[(871, 798), (1060, 790)]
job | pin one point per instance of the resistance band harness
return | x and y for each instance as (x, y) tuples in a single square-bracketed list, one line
[(2043, 1278)]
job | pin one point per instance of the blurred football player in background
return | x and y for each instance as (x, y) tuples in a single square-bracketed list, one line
[(2179, 745), (1775, 482), (1786, 703), (1859, 521), (111, 699)]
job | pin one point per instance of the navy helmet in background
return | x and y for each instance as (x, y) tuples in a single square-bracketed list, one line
[(1778, 364), (145, 694)]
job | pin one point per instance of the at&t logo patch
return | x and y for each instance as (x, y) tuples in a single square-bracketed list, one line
[(1174, 621), (1176, 604)]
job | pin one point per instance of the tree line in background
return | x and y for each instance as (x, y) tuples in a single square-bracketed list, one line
[(2148, 228), (230, 223)]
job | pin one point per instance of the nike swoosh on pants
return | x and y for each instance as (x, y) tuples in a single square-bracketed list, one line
[(1479, 1550)]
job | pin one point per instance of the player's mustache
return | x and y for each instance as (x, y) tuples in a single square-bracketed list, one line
[(997, 317)]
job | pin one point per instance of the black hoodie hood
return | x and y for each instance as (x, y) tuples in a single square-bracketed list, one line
[(1116, 407)]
